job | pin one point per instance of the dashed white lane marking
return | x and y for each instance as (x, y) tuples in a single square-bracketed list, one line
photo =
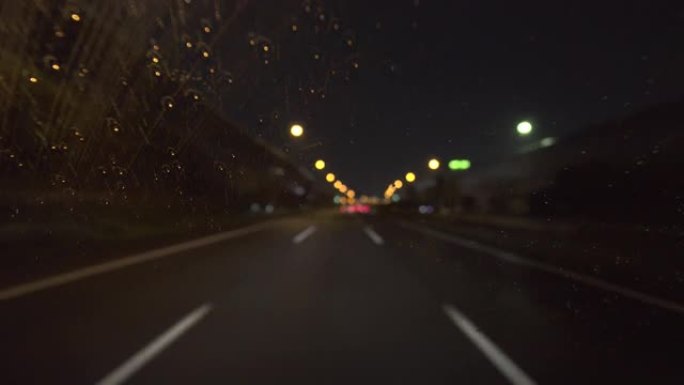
[(375, 237), (146, 354), (299, 238), (120, 263), (496, 356), (582, 278)]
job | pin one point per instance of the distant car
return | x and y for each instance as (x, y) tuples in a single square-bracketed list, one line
[(355, 209)]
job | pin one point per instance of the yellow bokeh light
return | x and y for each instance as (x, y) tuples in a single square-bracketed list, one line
[(75, 17), (343, 189), (398, 184), (410, 177), (33, 79), (433, 164), (319, 164), (296, 130), (390, 191), (337, 184), (330, 177), (56, 67), (351, 194)]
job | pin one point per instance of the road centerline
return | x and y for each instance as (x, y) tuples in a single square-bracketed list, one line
[(304, 234), (374, 236), (494, 354), (154, 348)]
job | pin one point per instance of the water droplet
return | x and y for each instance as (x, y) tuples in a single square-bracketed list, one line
[(167, 102), (113, 125), (192, 94)]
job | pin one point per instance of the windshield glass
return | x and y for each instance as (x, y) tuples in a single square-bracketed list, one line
[(342, 191)]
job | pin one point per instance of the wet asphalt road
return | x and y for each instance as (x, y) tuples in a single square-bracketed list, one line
[(330, 299)]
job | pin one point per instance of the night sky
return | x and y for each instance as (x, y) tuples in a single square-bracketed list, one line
[(451, 78)]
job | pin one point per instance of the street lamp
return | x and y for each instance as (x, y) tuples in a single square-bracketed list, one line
[(433, 164), (296, 130), (524, 128)]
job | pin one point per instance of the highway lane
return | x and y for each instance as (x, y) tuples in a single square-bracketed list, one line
[(333, 308), (560, 329), (80, 331), (354, 300)]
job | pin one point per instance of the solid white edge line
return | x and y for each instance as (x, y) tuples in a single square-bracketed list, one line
[(565, 273), (120, 263), (375, 237), (146, 354), (496, 356), (299, 238)]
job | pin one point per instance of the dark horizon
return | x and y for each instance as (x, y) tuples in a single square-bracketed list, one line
[(453, 79)]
